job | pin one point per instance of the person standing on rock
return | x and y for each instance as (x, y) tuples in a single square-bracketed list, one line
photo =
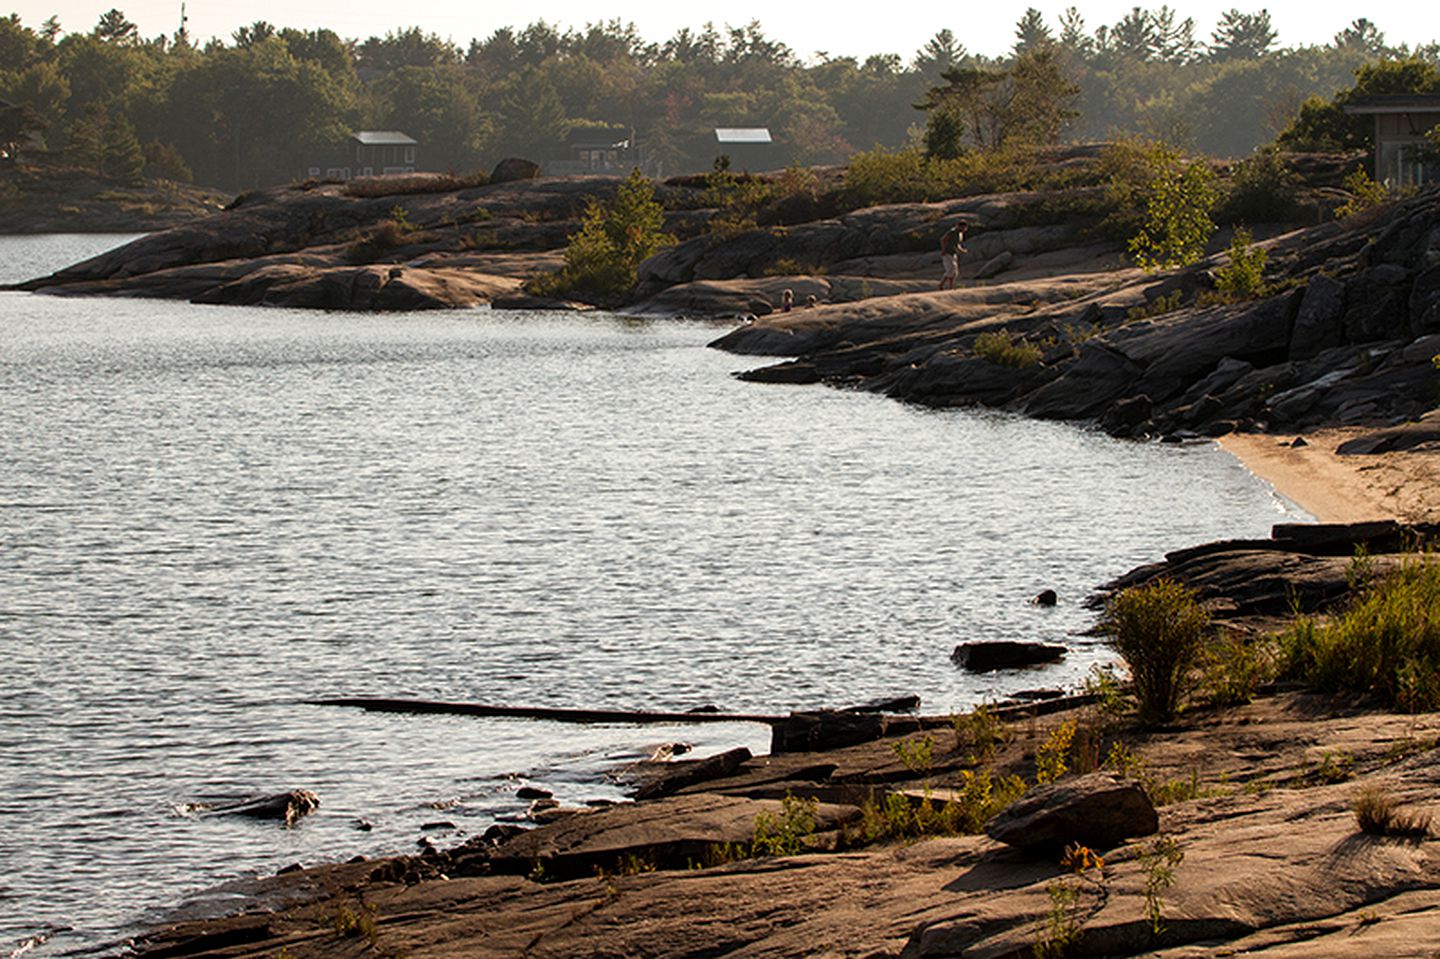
[(787, 301), (952, 244)]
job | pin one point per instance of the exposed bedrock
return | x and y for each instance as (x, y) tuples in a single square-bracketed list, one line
[(1347, 337)]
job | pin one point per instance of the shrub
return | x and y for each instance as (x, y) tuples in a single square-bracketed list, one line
[(1376, 814), (386, 236), (1244, 276), (1159, 630), (1234, 668), (982, 731), (1178, 198), (917, 755), (785, 834), (1161, 305), (1387, 642), (1365, 194), (613, 239), (1051, 758), (998, 347), (1159, 859), (1262, 189), (164, 162)]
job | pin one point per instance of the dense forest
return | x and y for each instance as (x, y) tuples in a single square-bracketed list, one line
[(259, 109)]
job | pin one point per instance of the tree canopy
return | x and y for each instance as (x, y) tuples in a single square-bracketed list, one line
[(257, 108)]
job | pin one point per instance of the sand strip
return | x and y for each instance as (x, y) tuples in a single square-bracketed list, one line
[(1403, 486)]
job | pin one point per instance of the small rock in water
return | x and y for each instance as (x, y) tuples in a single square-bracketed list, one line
[(437, 825), (1046, 597), (363, 825), (707, 708), (541, 805), (667, 751), (354, 859), (286, 870), (533, 792), (287, 807)]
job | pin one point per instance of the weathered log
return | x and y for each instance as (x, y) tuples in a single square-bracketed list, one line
[(552, 713)]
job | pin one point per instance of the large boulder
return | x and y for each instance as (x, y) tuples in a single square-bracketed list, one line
[(514, 168), (988, 655), (1100, 810)]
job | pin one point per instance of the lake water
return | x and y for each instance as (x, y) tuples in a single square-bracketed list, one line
[(211, 514)]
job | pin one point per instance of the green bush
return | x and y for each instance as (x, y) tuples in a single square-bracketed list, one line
[(998, 347), (1387, 642), (785, 834), (1178, 199), (613, 239), (1263, 189), (1244, 276), (1159, 629), (1365, 194), (1167, 303), (907, 176)]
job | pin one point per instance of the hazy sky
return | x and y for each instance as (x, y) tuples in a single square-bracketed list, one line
[(840, 29)]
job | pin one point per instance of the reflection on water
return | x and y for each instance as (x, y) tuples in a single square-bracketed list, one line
[(211, 515)]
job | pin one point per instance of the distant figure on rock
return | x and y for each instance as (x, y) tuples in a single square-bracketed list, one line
[(811, 302), (787, 301), (952, 244)]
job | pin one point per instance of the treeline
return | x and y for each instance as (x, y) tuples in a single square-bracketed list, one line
[(260, 108)]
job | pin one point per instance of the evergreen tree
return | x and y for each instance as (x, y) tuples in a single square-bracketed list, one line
[(1134, 37), (114, 28), (941, 52), (1242, 35), (1031, 32), (1174, 42), (1072, 33), (1361, 35), (121, 155)]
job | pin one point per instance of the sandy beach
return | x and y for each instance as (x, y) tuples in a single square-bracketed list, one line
[(1401, 485)]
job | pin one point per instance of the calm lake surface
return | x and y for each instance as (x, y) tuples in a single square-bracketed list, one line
[(211, 514)]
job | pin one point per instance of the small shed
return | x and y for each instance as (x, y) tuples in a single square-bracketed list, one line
[(748, 148), (1403, 154)]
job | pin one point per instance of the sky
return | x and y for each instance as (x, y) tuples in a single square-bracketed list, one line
[(809, 28)]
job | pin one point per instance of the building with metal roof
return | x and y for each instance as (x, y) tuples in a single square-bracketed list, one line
[(1404, 154)]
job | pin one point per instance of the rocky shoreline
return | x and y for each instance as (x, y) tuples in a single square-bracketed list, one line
[(1251, 802), (1254, 798), (1345, 334)]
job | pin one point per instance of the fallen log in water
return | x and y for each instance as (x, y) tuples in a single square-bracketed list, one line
[(898, 724), (559, 715)]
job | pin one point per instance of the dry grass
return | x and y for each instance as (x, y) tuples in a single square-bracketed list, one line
[(1377, 813)]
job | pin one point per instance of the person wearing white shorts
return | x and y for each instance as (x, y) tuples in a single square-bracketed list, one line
[(952, 244)]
